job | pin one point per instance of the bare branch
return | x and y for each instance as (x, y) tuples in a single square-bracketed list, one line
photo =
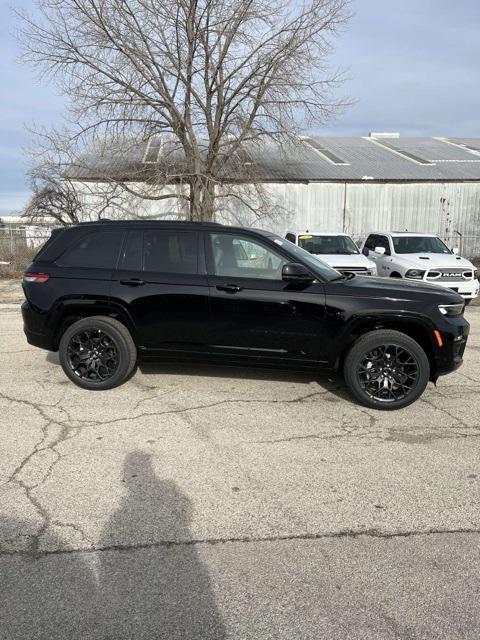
[(211, 75)]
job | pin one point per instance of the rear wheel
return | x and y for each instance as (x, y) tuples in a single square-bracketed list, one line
[(97, 353), (386, 369)]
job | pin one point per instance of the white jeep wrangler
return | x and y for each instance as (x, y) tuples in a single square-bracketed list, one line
[(421, 256)]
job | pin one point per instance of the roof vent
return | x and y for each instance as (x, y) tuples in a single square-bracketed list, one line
[(385, 134)]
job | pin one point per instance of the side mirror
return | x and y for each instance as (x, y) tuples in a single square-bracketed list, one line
[(380, 250), (295, 272), (455, 251)]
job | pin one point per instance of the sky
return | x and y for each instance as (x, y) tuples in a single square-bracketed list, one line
[(412, 67)]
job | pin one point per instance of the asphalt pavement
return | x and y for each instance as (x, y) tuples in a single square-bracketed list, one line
[(201, 502)]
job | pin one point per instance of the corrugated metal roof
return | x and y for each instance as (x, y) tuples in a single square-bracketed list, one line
[(399, 159)]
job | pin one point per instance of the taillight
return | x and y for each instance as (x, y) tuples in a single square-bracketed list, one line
[(35, 277)]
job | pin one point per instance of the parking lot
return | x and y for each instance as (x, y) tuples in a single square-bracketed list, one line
[(201, 502)]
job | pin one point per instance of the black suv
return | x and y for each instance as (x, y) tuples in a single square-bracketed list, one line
[(108, 294)]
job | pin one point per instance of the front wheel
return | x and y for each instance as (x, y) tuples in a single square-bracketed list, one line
[(386, 369), (97, 353)]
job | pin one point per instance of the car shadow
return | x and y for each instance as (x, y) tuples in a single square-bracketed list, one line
[(146, 579), (52, 357), (331, 382)]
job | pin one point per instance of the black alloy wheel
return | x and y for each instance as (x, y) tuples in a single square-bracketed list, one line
[(386, 369), (388, 373), (97, 353), (93, 355)]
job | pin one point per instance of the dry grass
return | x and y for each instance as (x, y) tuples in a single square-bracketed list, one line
[(17, 254)]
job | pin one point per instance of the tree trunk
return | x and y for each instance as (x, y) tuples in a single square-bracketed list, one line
[(202, 199)]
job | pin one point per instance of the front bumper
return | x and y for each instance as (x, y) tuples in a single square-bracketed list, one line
[(468, 289), (449, 356)]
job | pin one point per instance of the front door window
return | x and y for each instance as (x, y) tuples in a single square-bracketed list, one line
[(242, 257)]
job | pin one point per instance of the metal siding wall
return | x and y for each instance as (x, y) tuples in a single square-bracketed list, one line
[(296, 206), (440, 208)]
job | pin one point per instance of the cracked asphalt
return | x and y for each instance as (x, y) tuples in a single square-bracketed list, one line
[(198, 502)]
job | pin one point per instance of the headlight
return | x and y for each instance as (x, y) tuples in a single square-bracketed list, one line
[(451, 309), (416, 274)]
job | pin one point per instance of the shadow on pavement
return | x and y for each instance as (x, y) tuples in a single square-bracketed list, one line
[(332, 382), (134, 589)]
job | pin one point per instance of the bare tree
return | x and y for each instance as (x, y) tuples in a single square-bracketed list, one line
[(56, 194), (53, 196), (215, 75)]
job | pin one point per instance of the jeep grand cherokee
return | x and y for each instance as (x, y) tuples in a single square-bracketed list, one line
[(109, 294)]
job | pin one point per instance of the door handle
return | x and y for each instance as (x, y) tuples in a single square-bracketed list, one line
[(132, 282), (229, 288)]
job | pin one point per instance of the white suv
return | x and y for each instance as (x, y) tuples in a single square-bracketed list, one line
[(421, 256), (336, 249)]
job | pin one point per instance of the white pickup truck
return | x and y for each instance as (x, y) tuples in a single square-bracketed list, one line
[(421, 256), (336, 249)]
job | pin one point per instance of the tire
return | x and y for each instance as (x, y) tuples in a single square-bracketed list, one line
[(79, 346), (467, 302), (395, 274), (365, 376)]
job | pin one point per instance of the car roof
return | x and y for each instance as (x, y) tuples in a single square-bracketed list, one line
[(153, 222), (314, 232), (395, 234)]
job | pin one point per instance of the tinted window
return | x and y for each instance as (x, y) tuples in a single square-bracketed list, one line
[(168, 251), (97, 250), (290, 237), (382, 241), (132, 256), (371, 242), (244, 257)]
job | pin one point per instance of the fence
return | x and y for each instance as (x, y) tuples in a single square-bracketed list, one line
[(18, 245)]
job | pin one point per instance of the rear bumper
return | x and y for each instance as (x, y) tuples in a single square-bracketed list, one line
[(35, 329)]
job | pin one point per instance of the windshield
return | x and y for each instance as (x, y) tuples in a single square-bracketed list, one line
[(419, 244), (324, 245), (297, 253)]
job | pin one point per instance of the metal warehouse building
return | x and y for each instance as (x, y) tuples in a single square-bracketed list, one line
[(357, 184)]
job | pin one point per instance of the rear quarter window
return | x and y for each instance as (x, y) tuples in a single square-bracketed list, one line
[(98, 250)]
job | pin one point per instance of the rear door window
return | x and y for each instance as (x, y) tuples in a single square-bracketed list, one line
[(170, 251), (98, 250), (133, 252)]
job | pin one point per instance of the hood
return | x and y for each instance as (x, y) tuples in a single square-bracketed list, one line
[(345, 260), (397, 289), (432, 260)]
